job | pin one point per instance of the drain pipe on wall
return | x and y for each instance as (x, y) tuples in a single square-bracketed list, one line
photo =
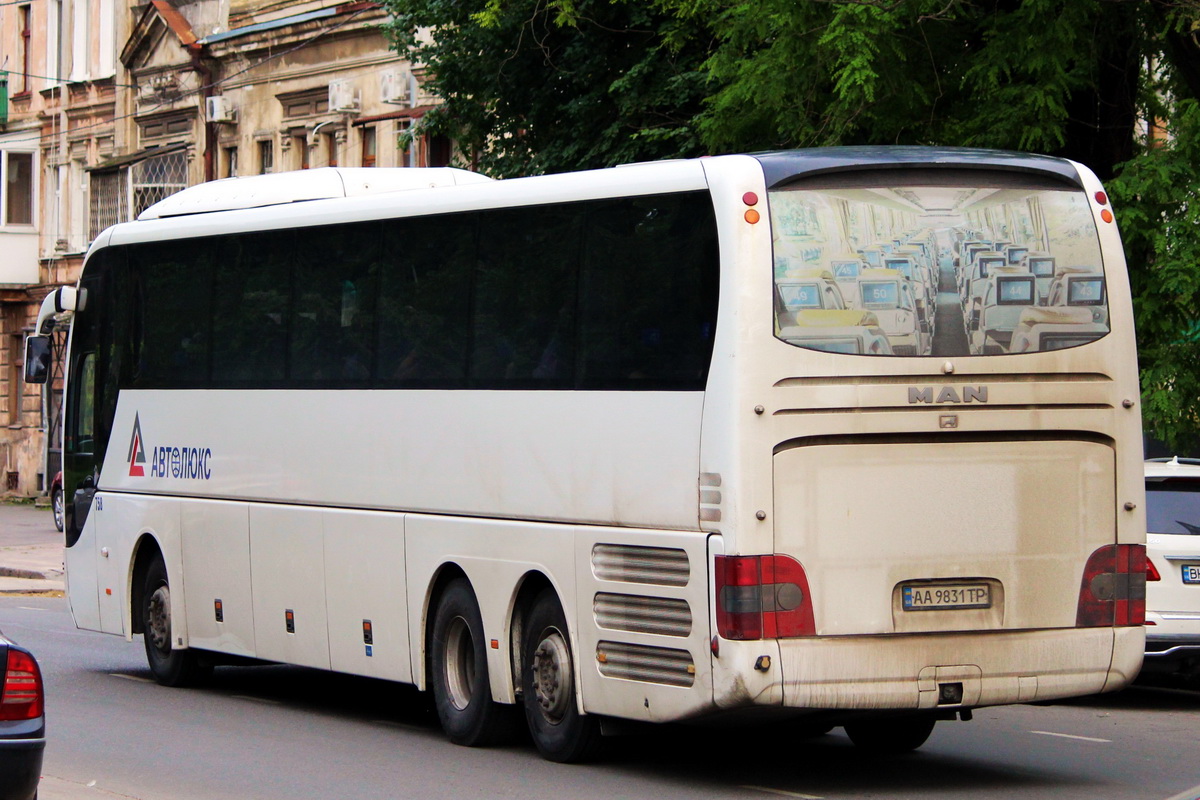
[(204, 72)]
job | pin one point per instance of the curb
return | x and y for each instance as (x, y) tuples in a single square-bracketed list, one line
[(28, 574)]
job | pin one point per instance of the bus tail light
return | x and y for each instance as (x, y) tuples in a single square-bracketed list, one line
[(1113, 591), (21, 695), (762, 597)]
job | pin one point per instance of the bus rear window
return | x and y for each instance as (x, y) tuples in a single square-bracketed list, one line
[(984, 261)]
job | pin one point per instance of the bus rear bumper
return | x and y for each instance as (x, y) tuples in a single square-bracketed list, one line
[(949, 671)]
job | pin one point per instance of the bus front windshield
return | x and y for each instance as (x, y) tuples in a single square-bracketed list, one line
[(948, 234)]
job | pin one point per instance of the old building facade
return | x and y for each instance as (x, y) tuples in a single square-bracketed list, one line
[(108, 108)]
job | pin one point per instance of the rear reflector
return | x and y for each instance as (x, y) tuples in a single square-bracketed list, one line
[(21, 696), (762, 597), (1113, 590)]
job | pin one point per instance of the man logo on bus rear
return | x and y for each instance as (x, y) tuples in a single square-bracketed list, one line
[(948, 394)]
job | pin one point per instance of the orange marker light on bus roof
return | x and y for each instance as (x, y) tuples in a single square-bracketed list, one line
[(1106, 215), (752, 216)]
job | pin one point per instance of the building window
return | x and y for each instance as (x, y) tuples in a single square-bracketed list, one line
[(231, 162), (266, 156), (439, 151), (307, 103), (157, 177), (368, 146), (331, 149), (300, 145), (175, 125), (17, 170), (24, 16), (408, 150), (108, 200)]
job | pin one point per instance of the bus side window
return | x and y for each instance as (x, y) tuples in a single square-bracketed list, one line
[(424, 297), (250, 310), (331, 340), (648, 296), (523, 314)]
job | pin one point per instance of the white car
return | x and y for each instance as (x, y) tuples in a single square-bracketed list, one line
[(1173, 567)]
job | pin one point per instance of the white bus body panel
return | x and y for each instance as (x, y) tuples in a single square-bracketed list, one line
[(287, 569), (602, 458), (865, 519), (365, 580), (216, 556)]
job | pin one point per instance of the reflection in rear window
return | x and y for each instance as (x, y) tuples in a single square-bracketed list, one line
[(982, 263), (1173, 506)]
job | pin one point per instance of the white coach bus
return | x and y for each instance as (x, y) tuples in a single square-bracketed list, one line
[(557, 442)]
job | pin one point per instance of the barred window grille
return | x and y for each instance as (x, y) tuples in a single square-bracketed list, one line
[(109, 200), (157, 177)]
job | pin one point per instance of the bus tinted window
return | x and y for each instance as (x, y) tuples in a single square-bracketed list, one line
[(487, 300), (332, 321), (648, 298), (967, 238), (175, 337), (425, 300), (524, 301), (251, 309)]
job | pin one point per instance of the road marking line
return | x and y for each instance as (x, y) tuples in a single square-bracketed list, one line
[(1072, 736), (784, 792), (264, 700), (1187, 794), (30, 608), (131, 677)]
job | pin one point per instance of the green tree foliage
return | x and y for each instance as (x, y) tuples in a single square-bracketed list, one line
[(1157, 197), (565, 84), (530, 87)]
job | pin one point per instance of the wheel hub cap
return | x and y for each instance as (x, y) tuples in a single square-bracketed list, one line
[(159, 622), (552, 681)]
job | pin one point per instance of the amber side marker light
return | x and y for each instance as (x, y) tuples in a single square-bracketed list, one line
[(752, 216)]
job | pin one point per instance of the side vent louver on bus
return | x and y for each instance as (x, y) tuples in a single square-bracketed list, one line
[(657, 566), (637, 662), (665, 616)]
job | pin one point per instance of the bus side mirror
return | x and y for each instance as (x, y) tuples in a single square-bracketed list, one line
[(37, 359)]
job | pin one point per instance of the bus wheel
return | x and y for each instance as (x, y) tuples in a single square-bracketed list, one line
[(894, 735), (560, 732), (458, 671), (169, 666)]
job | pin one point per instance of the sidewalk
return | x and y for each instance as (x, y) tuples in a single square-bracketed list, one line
[(31, 551)]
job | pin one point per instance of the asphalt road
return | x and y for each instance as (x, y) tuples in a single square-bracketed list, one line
[(285, 732)]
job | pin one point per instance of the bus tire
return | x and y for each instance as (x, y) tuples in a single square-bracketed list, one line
[(891, 735), (458, 671), (560, 732), (170, 667)]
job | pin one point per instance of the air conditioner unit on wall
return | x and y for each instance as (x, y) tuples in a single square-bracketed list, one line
[(394, 87), (220, 109), (342, 97)]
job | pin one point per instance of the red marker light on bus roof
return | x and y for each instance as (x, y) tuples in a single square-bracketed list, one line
[(1102, 198), (750, 198)]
